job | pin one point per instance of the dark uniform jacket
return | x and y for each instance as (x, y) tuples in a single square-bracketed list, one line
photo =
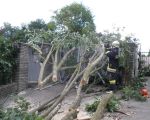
[(113, 58)]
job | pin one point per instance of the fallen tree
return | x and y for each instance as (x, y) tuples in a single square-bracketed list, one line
[(90, 52), (56, 46), (101, 106), (93, 61)]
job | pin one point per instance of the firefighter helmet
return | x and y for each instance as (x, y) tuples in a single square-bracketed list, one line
[(115, 44)]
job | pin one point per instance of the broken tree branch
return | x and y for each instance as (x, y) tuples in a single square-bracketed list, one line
[(43, 66), (63, 94), (51, 115), (101, 106), (65, 57), (42, 105)]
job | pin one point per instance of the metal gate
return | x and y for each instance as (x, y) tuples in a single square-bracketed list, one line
[(33, 67), (145, 59)]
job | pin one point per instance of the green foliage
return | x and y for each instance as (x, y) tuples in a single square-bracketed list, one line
[(9, 36), (109, 37), (145, 71), (22, 104), (127, 92), (132, 93), (113, 104), (93, 106), (138, 84), (7, 60), (19, 112), (138, 97), (13, 34), (51, 26), (75, 18), (37, 25)]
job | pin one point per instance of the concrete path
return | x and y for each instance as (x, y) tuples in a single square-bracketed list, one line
[(139, 110), (36, 97), (135, 110)]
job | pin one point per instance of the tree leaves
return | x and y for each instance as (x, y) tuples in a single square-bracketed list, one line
[(75, 18)]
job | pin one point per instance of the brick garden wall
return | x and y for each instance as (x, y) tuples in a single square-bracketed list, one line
[(22, 70), (21, 73), (25, 70), (28, 67)]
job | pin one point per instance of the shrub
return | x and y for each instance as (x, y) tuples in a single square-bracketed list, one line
[(132, 93), (7, 60), (92, 107), (138, 97), (127, 92), (19, 112), (113, 104)]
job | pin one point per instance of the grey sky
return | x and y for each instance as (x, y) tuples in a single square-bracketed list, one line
[(132, 14)]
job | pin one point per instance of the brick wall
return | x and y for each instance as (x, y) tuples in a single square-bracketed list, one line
[(22, 70), (22, 76), (27, 69), (8, 89)]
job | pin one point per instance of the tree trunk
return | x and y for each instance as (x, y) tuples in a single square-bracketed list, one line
[(43, 105), (54, 112), (71, 115), (63, 94), (101, 107), (83, 82), (55, 68), (43, 67)]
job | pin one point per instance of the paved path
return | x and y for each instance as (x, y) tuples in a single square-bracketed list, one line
[(136, 110), (139, 110), (36, 97)]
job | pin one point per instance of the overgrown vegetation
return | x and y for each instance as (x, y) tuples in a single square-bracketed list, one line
[(7, 61), (112, 105), (132, 93), (19, 112), (93, 106), (146, 71)]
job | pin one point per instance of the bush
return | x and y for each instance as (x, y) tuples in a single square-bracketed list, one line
[(92, 107), (138, 97), (7, 60), (132, 93), (127, 92), (19, 112), (138, 84), (113, 104)]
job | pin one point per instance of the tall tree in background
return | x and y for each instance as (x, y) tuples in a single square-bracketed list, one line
[(37, 25), (75, 18)]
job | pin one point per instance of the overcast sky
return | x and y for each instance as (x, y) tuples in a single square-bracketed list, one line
[(134, 15)]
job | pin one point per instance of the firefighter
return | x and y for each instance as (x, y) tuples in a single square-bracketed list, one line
[(113, 65)]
